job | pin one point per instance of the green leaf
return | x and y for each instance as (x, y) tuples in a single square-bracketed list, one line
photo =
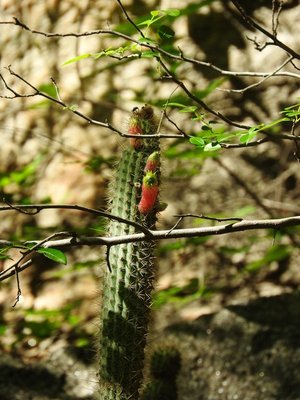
[(248, 136), (53, 254), (146, 40), (49, 89), (78, 58), (155, 13), (172, 12), (165, 32), (189, 109), (212, 147), (197, 141), (24, 176), (150, 54)]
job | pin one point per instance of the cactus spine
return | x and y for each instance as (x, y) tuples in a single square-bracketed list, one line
[(127, 288)]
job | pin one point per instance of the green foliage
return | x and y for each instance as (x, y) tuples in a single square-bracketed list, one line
[(157, 15), (22, 177), (181, 295), (53, 254), (275, 253), (292, 112), (3, 253), (158, 31), (41, 324)]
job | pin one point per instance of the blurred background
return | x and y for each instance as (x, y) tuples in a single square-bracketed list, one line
[(50, 155)]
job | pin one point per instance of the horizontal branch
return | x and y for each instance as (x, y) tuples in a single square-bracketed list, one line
[(33, 209), (75, 241), (70, 108), (175, 57), (183, 233)]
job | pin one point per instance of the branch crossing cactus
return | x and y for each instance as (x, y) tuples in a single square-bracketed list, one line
[(126, 298)]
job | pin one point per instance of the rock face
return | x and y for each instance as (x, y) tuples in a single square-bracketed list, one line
[(248, 352), (244, 352)]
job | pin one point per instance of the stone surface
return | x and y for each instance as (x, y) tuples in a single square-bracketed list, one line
[(245, 351)]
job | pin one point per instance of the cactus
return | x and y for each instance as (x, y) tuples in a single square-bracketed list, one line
[(127, 288)]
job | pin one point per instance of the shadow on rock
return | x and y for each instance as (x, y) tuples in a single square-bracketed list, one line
[(249, 351)]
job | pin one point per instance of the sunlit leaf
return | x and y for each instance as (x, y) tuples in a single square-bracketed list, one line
[(172, 12), (250, 135), (49, 89), (78, 58), (189, 109), (149, 54), (155, 13), (53, 254), (197, 141), (212, 147)]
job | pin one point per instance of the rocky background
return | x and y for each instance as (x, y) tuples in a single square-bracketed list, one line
[(239, 338)]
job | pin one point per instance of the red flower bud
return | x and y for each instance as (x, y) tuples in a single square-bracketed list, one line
[(152, 163), (135, 129), (149, 193)]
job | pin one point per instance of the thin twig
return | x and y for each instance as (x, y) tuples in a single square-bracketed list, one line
[(130, 20), (106, 125), (276, 11), (107, 258), (178, 57), (202, 216), (26, 209), (275, 41), (288, 60)]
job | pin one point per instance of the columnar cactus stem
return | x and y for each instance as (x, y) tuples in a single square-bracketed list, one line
[(127, 288)]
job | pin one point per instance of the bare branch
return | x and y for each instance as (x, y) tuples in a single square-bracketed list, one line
[(177, 57), (129, 19), (276, 11), (58, 101), (198, 101), (287, 61), (240, 226), (36, 208), (275, 41)]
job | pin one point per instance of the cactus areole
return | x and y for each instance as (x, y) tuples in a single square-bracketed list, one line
[(127, 288)]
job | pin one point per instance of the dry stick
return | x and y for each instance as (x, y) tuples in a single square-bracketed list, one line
[(29, 254), (251, 193), (37, 92), (39, 207), (276, 11), (180, 57), (250, 22), (287, 61), (240, 226)]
